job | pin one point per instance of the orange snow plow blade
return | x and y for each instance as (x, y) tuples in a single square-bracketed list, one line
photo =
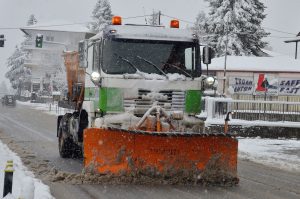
[(198, 156)]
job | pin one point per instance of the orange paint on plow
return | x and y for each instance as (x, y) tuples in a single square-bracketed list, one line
[(123, 152)]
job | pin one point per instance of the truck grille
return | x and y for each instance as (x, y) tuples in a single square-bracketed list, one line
[(176, 100)]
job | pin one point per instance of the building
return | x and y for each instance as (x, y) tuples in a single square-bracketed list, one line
[(46, 63), (267, 78)]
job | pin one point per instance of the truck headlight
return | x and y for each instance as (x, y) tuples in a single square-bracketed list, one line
[(209, 81), (95, 76)]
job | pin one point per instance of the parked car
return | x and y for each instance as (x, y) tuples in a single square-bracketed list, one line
[(33, 98), (9, 100)]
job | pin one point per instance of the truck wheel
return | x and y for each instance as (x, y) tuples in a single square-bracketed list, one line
[(78, 153), (65, 146)]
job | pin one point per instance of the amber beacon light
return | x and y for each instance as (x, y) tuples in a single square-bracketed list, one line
[(174, 23), (117, 20)]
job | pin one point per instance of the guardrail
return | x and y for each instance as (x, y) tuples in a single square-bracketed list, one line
[(56, 109), (279, 113)]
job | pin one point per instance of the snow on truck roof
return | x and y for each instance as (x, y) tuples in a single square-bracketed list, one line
[(148, 32), (266, 64)]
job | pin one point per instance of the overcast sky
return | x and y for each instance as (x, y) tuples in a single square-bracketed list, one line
[(281, 14)]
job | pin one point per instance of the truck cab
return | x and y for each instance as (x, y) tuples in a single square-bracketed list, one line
[(119, 77), (132, 66)]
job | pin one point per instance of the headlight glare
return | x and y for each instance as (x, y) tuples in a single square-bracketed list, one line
[(95, 76), (210, 81)]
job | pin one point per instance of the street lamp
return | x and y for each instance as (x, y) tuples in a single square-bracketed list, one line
[(296, 40)]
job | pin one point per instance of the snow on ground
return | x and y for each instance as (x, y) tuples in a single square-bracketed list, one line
[(51, 109), (25, 185), (280, 153)]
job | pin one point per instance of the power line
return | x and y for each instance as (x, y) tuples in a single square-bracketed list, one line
[(276, 30), (54, 25), (134, 17), (272, 29), (67, 24), (141, 16), (279, 37), (183, 20)]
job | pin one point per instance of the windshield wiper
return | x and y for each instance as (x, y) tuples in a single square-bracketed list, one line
[(178, 68), (155, 66), (126, 60)]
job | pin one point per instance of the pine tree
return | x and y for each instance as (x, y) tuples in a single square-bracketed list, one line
[(32, 20), (101, 16), (201, 27), (236, 23), (17, 73)]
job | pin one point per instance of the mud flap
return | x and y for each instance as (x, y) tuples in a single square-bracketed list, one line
[(122, 152)]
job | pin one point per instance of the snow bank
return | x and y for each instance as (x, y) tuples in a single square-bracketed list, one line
[(25, 185), (283, 154)]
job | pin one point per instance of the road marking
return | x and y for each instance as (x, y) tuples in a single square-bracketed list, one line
[(27, 128)]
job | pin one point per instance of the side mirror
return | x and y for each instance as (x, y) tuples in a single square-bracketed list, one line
[(207, 55), (83, 54)]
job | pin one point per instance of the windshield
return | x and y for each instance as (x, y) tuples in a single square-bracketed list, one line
[(160, 57)]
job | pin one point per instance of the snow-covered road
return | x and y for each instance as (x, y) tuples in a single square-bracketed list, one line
[(283, 154), (280, 153), (27, 129)]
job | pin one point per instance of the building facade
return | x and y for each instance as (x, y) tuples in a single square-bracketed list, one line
[(258, 78), (46, 63)]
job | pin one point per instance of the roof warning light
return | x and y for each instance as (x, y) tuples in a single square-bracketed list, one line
[(116, 20), (174, 23)]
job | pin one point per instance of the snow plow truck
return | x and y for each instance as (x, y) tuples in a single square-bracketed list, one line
[(136, 92)]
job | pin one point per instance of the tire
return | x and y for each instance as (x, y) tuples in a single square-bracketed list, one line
[(78, 152), (65, 146), (83, 124)]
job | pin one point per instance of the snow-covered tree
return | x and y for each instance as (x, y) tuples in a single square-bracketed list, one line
[(201, 27), (101, 16), (32, 20), (237, 23), (17, 73), (154, 18)]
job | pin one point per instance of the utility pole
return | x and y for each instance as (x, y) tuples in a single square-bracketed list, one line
[(225, 62), (296, 40), (159, 15), (296, 51)]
